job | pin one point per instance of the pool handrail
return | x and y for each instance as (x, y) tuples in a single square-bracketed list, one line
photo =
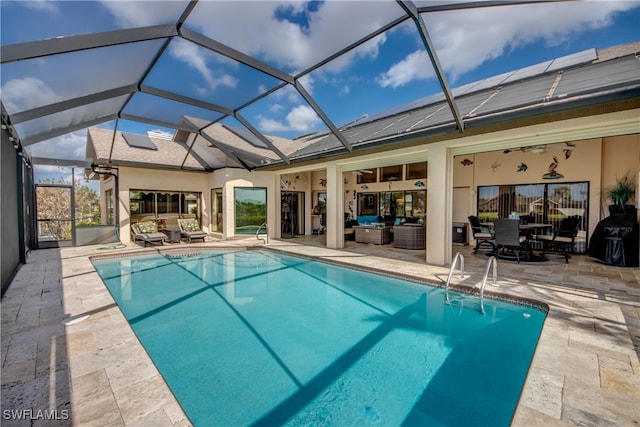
[(458, 257), (492, 261), (264, 224)]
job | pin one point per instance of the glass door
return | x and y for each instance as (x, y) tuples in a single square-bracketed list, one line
[(292, 213)]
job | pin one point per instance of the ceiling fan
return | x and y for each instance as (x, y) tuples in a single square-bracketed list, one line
[(542, 149), (361, 171)]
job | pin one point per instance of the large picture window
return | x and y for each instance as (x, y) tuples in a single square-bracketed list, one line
[(542, 203), (163, 205), (390, 205), (251, 209)]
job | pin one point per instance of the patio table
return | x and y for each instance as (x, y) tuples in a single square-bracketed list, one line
[(374, 235), (529, 229)]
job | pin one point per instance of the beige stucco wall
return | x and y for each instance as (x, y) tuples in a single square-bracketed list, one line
[(620, 155), (600, 161), (228, 179), (159, 180)]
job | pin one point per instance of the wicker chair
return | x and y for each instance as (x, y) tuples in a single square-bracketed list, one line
[(409, 236)]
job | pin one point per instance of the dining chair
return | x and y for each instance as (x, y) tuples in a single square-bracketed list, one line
[(509, 243), (562, 238), (482, 235)]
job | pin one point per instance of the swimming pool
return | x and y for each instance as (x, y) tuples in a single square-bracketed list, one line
[(259, 337)]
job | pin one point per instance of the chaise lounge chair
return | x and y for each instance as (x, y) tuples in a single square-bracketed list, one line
[(190, 229), (147, 231)]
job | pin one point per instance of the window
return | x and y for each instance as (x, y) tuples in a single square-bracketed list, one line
[(391, 173), (417, 170), (409, 205), (415, 203), (108, 195), (367, 176), (545, 203), (251, 209), (392, 204), (367, 203), (146, 204)]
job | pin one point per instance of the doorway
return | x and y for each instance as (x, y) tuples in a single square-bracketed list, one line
[(54, 215), (216, 210), (292, 213)]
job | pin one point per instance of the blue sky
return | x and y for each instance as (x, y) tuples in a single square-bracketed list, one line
[(388, 71)]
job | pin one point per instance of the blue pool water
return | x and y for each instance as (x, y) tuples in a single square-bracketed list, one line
[(261, 338)]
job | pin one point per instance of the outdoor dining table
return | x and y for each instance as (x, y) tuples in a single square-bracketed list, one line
[(529, 229)]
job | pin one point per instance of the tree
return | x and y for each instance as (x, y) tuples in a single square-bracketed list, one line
[(87, 205), (54, 208)]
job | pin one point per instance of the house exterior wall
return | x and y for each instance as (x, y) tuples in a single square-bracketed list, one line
[(228, 179), (620, 154), (597, 157), (12, 249), (160, 180), (600, 161)]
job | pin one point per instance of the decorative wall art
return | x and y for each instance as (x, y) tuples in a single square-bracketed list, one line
[(553, 173)]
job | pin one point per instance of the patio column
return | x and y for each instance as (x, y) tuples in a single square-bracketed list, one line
[(439, 205), (335, 207)]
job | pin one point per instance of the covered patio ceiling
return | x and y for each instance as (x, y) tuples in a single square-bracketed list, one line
[(176, 65)]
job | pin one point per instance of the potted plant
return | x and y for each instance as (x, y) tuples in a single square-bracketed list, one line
[(620, 195)]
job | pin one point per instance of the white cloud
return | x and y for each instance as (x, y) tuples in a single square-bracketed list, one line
[(143, 13), (268, 125), (26, 93), (275, 108), (415, 66), (289, 45), (301, 118), (193, 56), (42, 6), (466, 39), (71, 146)]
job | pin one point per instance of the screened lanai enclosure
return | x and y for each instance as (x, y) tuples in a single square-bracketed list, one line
[(269, 86)]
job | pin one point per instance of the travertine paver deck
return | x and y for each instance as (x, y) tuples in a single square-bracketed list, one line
[(67, 349)]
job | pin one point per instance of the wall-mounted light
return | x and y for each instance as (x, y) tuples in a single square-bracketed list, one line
[(4, 127)]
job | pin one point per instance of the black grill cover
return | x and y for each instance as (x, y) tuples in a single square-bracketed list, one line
[(615, 241)]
